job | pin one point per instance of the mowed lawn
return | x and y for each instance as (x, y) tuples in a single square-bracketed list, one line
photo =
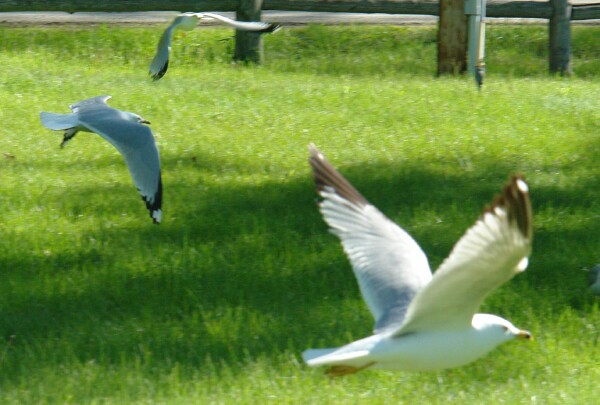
[(216, 304)]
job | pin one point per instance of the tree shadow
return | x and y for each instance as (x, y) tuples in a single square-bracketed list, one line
[(251, 269)]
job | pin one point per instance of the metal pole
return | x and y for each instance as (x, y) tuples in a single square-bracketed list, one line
[(475, 10), (480, 59)]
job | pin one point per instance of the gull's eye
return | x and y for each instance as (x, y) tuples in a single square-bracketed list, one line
[(505, 329)]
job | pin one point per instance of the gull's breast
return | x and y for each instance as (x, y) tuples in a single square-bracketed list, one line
[(426, 351)]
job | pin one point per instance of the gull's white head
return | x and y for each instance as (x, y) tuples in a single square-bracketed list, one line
[(498, 330), (186, 21), (133, 117)]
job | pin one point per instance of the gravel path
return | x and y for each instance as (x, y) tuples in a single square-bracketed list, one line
[(164, 17)]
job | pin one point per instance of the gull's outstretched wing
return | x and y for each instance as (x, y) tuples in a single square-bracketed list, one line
[(136, 143), (144, 167), (490, 253), (389, 265), (160, 62), (257, 26)]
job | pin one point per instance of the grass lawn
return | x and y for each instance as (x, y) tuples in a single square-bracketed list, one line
[(215, 305)]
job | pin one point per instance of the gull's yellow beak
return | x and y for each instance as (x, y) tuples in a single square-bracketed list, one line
[(524, 335)]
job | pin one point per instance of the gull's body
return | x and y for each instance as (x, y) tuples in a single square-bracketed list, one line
[(422, 322), (124, 130), (187, 22)]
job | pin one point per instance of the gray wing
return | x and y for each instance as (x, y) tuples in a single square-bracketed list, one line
[(490, 253), (244, 25), (160, 62), (136, 143), (389, 265), (90, 104)]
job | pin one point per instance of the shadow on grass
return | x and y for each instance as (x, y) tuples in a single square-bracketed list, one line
[(244, 271)]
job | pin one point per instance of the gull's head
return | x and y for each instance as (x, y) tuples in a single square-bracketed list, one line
[(186, 21), (497, 329), (133, 117)]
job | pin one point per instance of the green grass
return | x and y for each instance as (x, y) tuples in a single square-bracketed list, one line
[(216, 304)]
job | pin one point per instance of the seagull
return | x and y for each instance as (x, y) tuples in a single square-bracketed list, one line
[(422, 322), (187, 22), (595, 280), (124, 130)]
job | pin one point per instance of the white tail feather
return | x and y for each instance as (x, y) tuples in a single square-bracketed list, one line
[(321, 357), (58, 122)]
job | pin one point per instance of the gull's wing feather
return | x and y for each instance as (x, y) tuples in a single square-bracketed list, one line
[(136, 143), (90, 104), (144, 167), (160, 62), (244, 25), (389, 265), (490, 253), (58, 122)]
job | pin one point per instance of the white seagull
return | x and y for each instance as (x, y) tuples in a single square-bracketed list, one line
[(124, 130), (422, 322), (187, 22)]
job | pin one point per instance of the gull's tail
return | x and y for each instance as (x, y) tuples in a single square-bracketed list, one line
[(58, 122), (312, 354), (338, 363)]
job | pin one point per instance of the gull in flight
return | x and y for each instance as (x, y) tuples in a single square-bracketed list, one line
[(124, 130), (422, 322), (187, 22)]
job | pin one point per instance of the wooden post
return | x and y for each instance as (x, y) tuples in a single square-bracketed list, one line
[(248, 44), (560, 37), (452, 37)]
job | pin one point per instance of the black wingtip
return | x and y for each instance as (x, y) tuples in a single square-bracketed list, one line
[(272, 28), (325, 175), (161, 72), (515, 199), (154, 206)]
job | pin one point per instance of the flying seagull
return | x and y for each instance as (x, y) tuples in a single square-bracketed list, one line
[(187, 22), (422, 322), (124, 130)]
